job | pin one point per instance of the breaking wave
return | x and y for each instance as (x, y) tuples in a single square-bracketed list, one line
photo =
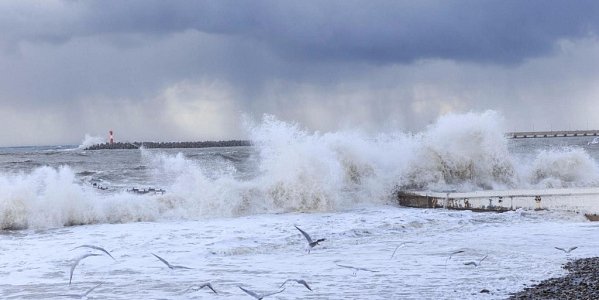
[(299, 170), (560, 168)]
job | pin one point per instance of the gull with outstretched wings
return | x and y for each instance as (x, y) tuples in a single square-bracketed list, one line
[(311, 243)]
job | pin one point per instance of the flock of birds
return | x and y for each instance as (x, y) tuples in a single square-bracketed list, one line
[(310, 244)]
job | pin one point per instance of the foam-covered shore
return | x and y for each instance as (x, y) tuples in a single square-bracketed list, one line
[(582, 282), (409, 250)]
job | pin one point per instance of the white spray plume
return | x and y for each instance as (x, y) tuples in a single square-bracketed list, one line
[(89, 140)]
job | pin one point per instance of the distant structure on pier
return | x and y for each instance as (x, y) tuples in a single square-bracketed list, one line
[(110, 137), (547, 134)]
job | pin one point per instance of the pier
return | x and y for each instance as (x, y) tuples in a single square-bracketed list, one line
[(547, 134), (580, 200)]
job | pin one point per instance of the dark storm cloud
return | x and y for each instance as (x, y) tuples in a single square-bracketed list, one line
[(187, 69), (367, 31)]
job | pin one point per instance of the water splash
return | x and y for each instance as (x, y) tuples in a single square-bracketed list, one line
[(298, 170), (89, 140)]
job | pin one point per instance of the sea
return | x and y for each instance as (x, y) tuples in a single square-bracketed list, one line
[(230, 215)]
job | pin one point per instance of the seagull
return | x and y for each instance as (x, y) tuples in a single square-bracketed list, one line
[(401, 245), (77, 262), (356, 269), (300, 281), (452, 254), (311, 243), (566, 251), (84, 295), (203, 285), (472, 263), (260, 297), (172, 267), (96, 248)]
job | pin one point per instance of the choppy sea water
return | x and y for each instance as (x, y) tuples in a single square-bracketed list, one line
[(229, 213)]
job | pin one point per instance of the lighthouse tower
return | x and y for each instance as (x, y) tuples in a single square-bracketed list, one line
[(110, 137)]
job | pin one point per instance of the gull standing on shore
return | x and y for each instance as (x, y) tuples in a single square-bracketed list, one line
[(311, 243)]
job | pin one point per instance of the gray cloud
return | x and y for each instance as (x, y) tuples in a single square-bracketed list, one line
[(369, 31), (146, 68)]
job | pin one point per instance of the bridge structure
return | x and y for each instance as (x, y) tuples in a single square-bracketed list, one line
[(547, 134)]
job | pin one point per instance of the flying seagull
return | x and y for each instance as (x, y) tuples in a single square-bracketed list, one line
[(262, 296), (203, 285), (452, 254), (566, 251), (172, 267), (472, 263), (84, 295), (95, 248), (82, 257), (311, 243), (356, 269), (300, 281), (401, 245)]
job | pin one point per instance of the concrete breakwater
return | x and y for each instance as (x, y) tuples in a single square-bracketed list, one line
[(149, 145), (579, 200)]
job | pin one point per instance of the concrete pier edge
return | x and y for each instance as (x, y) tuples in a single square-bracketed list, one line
[(582, 200)]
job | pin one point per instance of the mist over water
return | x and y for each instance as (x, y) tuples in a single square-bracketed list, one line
[(289, 169)]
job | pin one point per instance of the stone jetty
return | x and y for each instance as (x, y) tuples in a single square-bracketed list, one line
[(151, 145)]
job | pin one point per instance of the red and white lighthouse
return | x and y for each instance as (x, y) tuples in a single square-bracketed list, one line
[(110, 137)]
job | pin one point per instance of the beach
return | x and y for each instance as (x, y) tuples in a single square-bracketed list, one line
[(227, 216)]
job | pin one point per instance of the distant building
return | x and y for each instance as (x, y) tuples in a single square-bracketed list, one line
[(110, 137)]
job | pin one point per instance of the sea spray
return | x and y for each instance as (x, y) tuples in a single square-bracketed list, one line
[(52, 197), (89, 140), (560, 168), (289, 169), (47, 197), (461, 152)]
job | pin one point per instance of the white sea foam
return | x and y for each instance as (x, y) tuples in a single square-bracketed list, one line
[(262, 251), (299, 170)]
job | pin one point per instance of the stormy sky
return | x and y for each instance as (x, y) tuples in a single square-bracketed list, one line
[(194, 70)]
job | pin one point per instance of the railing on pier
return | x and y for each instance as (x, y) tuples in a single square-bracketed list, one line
[(578, 200), (556, 133)]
